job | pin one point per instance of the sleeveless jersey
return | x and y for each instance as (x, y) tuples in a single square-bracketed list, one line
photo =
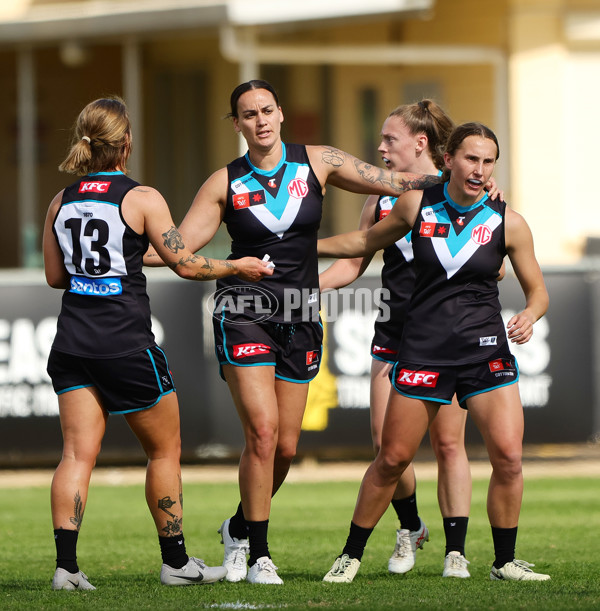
[(454, 314), (106, 312), (276, 213), (397, 274)]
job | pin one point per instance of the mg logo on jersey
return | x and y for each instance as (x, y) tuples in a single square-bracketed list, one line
[(241, 351), (94, 187), (417, 378), (312, 357), (481, 234), (297, 187)]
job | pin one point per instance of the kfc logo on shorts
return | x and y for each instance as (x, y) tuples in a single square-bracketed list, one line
[(241, 351), (94, 187), (417, 378), (312, 357), (297, 187)]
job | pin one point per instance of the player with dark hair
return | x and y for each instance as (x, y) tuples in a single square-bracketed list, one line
[(454, 340), (271, 200)]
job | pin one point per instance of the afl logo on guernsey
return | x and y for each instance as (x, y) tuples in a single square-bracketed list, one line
[(297, 187), (481, 234), (94, 187), (252, 198)]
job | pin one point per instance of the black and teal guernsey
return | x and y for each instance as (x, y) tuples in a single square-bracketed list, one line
[(106, 311), (454, 314), (397, 274), (275, 213)]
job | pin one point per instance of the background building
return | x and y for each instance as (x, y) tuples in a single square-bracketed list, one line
[(530, 69)]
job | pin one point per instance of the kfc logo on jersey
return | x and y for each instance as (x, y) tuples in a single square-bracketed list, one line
[(481, 235), (312, 357), (94, 187), (417, 378), (297, 187), (434, 230), (383, 213), (241, 351)]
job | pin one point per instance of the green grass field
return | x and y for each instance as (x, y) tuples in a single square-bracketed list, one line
[(559, 531)]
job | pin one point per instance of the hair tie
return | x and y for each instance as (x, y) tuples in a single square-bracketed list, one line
[(87, 138)]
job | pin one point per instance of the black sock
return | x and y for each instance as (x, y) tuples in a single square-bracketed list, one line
[(406, 510), (172, 550), (66, 549), (505, 541), (238, 527), (456, 533), (257, 536), (356, 541)]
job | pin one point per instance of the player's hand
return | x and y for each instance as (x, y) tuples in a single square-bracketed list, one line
[(520, 328), (492, 189), (252, 269)]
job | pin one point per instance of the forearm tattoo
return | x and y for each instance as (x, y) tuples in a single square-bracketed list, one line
[(173, 527), (173, 240), (208, 267), (78, 510), (373, 175)]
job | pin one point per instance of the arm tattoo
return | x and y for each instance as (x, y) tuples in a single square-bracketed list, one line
[(173, 527), (421, 182), (173, 240), (78, 510), (333, 156), (373, 175), (208, 267)]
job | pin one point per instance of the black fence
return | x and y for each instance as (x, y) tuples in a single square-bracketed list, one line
[(558, 368)]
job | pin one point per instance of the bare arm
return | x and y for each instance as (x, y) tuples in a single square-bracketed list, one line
[(54, 267), (351, 174), (146, 206), (519, 246), (345, 271), (202, 219), (384, 233)]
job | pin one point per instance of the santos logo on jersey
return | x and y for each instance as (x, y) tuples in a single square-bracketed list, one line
[(417, 378), (94, 187)]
